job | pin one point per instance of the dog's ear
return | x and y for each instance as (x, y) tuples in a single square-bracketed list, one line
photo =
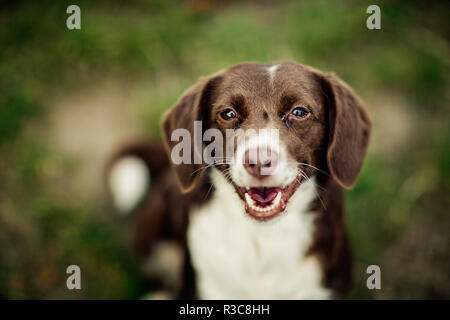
[(349, 131), (192, 106)]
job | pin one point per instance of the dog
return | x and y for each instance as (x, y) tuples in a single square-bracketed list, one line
[(244, 234)]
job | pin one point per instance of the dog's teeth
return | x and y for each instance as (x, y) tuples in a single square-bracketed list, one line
[(247, 188), (249, 199), (261, 210), (277, 199)]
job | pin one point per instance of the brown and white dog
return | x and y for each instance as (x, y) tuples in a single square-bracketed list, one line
[(246, 235)]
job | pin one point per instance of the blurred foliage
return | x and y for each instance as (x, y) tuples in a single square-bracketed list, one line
[(43, 228)]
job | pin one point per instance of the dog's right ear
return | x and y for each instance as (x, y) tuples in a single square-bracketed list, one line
[(193, 106)]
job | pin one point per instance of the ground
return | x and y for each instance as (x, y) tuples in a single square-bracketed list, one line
[(69, 98)]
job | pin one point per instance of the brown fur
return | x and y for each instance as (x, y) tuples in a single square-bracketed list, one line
[(334, 138)]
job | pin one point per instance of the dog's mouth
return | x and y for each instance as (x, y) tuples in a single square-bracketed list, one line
[(264, 203)]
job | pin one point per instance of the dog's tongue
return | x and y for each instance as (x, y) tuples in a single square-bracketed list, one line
[(263, 194)]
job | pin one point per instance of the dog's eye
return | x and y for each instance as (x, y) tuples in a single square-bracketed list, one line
[(300, 112), (228, 114)]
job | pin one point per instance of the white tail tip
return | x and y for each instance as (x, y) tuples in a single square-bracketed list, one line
[(128, 181)]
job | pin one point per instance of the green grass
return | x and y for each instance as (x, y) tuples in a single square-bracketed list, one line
[(169, 45)]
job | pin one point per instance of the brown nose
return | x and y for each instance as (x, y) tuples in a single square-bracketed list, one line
[(260, 162)]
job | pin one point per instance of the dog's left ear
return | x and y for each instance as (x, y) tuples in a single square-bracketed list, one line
[(349, 131)]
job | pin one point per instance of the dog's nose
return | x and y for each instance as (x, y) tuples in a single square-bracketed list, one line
[(260, 162)]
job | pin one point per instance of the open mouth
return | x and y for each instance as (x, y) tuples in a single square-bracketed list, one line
[(264, 203)]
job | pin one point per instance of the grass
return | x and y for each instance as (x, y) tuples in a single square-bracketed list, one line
[(44, 228)]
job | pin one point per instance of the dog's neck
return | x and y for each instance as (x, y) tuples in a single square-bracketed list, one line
[(240, 258)]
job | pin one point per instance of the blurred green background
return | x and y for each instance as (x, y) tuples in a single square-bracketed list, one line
[(68, 98)]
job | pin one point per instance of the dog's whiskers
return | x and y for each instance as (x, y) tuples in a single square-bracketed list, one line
[(215, 164), (304, 175), (311, 166), (207, 194)]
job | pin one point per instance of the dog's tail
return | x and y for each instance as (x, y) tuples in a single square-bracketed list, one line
[(131, 170)]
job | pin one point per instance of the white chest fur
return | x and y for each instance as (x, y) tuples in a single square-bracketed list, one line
[(238, 258)]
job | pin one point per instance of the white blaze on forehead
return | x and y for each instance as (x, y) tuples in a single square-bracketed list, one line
[(272, 71)]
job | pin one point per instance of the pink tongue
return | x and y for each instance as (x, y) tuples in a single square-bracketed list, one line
[(263, 194)]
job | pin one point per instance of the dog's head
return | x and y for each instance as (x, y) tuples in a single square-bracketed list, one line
[(301, 122)]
